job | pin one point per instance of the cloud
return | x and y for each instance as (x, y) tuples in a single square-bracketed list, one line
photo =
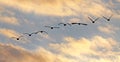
[(74, 20), (6, 11), (9, 20), (51, 57), (45, 36), (1, 9), (73, 50), (59, 7), (9, 33), (89, 50), (109, 29), (118, 0), (17, 54), (14, 53)]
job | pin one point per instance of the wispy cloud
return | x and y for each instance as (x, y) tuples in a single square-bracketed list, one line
[(81, 48), (118, 0), (94, 49), (59, 7), (3, 10), (9, 33), (74, 20), (18, 54), (9, 20), (84, 50), (109, 29)]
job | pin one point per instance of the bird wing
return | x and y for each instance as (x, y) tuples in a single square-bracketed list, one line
[(40, 32), (26, 33), (56, 27), (34, 33), (48, 26), (73, 23), (60, 23), (110, 16), (83, 23), (45, 32), (90, 18), (96, 19), (69, 24), (17, 37), (105, 17)]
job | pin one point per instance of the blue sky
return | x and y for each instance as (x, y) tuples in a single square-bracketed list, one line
[(96, 42)]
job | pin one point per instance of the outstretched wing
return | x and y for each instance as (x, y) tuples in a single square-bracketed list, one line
[(45, 32), (26, 33), (110, 16), (48, 26), (105, 17), (60, 23), (90, 18), (41, 32), (33, 33), (73, 23), (17, 37), (56, 27), (83, 23), (69, 24), (96, 19)]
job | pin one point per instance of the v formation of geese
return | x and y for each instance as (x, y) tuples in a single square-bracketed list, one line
[(64, 24)]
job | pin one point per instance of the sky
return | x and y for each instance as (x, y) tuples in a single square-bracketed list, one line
[(96, 42)]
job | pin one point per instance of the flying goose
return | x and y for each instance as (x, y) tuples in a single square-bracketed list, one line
[(109, 18), (79, 24), (93, 20), (41, 32), (65, 24), (17, 38), (51, 27), (30, 34)]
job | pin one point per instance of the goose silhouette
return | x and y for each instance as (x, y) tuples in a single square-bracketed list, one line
[(51, 27), (17, 38), (109, 18), (93, 20), (79, 24), (30, 34), (64, 24), (41, 32)]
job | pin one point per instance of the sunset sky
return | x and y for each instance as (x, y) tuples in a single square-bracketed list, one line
[(96, 42)]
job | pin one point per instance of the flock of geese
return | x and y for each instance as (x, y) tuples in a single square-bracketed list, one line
[(64, 24)]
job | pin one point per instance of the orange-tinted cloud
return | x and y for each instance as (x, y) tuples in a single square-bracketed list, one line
[(17, 54), (59, 7), (86, 49), (9, 20), (8, 33), (74, 50), (109, 29), (14, 53)]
